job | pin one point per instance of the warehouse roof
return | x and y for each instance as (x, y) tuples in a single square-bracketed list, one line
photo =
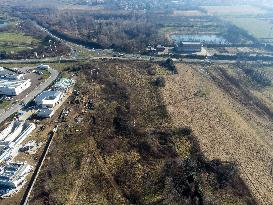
[(49, 98), (11, 83), (190, 43), (48, 95)]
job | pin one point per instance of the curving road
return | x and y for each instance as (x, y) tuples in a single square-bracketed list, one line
[(54, 74)]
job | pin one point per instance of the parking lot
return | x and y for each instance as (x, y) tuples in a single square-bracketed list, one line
[(39, 82)]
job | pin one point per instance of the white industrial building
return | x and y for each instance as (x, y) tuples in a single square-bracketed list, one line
[(13, 175), (13, 87), (12, 77), (15, 133), (49, 98), (5, 152)]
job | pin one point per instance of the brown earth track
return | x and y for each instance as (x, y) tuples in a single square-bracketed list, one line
[(227, 126), (96, 158)]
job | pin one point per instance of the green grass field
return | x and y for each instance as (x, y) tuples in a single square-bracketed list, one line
[(257, 27), (4, 104), (15, 42), (237, 10)]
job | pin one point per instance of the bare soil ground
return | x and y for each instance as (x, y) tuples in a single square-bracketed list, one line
[(231, 118), (118, 146)]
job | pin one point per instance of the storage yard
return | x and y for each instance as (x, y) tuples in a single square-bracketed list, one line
[(15, 148), (16, 84)]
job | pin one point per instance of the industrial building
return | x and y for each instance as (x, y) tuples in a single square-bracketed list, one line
[(49, 98), (5, 152), (188, 47), (13, 87), (15, 133), (13, 175), (12, 77)]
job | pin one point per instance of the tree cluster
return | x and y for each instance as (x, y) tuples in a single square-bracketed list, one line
[(122, 31)]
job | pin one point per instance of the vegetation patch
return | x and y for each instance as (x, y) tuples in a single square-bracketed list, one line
[(4, 104), (24, 40), (125, 150), (11, 43)]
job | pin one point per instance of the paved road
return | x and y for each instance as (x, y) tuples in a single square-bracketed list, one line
[(55, 73), (124, 56), (17, 107), (45, 60)]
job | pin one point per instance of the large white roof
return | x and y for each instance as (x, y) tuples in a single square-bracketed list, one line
[(48, 95), (11, 83)]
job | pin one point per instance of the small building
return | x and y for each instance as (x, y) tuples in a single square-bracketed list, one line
[(49, 98), (13, 87), (42, 67), (28, 146), (45, 113), (13, 175), (188, 47)]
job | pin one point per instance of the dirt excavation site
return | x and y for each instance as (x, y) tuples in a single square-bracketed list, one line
[(230, 110)]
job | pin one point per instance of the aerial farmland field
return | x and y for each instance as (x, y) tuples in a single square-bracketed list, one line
[(14, 42), (246, 17), (265, 31), (188, 13), (233, 10)]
